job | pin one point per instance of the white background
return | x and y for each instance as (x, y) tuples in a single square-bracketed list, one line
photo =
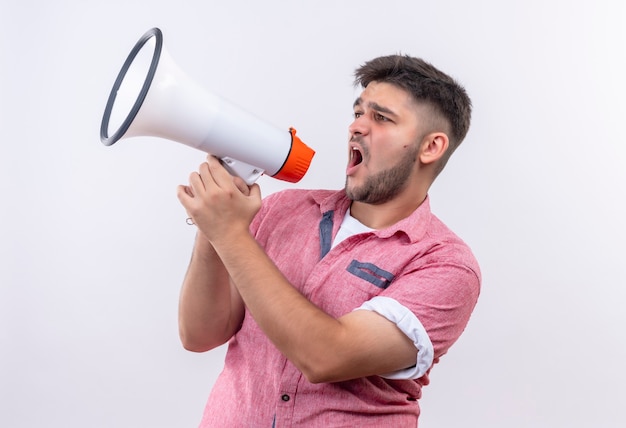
[(94, 245)]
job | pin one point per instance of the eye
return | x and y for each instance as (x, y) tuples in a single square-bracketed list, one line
[(357, 114), (380, 118)]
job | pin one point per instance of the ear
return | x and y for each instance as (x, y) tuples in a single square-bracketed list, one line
[(433, 147)]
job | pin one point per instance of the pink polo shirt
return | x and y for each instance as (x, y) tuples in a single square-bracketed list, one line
[(418, 266)]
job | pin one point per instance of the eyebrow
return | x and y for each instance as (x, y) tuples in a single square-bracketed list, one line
[(374, 106)]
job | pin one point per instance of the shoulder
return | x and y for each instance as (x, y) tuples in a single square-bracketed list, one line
[(431, 241), (449, 245)]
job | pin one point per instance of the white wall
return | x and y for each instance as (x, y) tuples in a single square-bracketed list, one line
[(93, 242)]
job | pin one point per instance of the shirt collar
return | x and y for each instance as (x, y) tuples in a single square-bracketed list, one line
[(414, 226)]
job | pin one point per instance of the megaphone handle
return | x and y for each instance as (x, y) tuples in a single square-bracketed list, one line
[(249, 173)]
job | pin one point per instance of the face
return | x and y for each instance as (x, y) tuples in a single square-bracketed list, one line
[(384, 144)]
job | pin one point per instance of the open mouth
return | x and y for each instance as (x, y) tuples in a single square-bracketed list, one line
[(356, 157)]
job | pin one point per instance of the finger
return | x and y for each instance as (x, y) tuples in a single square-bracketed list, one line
[(187, 189), (219, 174), (241, 185), (196, 183), (205, 174), (184, 193), (255, 191)]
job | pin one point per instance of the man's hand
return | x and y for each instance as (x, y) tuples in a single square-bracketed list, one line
[(218, 203)]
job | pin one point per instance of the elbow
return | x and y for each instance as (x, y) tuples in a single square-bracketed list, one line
[(321, 372), (202, 338), (195, 347), (193, 343), (316, 378)]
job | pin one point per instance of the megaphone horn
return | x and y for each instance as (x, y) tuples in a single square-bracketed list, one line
[(152, 96)]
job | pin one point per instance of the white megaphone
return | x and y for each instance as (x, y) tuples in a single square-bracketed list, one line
[(152, 96)]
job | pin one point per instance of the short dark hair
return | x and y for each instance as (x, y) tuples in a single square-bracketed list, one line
[(426, 84)]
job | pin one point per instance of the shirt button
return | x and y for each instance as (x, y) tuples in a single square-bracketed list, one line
[(285, 397)]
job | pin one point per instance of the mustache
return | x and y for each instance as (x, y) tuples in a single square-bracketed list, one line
[(356, 139)]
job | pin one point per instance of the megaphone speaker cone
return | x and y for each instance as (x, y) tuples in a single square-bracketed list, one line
[(118, 119)]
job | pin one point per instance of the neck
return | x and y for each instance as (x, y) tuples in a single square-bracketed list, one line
[(384, 215)]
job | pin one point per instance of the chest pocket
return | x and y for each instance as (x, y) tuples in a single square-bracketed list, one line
[(370, 273)]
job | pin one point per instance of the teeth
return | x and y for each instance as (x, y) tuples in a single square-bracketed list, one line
[(355, 155)]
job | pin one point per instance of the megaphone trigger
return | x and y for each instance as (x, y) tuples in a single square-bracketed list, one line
[(249, 173)]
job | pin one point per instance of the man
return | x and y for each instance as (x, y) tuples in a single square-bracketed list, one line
[(335, 304)]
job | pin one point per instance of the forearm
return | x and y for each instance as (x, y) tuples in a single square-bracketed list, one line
[(210, 309), (298, 328)]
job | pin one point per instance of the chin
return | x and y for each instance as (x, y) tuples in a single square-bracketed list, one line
[(349, 183), (351, 191)]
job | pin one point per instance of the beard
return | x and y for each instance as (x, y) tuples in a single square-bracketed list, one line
[(384, 185)]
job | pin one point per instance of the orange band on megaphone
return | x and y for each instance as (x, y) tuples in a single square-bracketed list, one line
[(297, 162)]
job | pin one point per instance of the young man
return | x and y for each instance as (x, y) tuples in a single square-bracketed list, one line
[(335, 304)]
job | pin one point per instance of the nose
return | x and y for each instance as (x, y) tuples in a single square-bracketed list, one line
[(359, 126)]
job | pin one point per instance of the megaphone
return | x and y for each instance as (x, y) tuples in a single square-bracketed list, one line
[(152, 96)]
